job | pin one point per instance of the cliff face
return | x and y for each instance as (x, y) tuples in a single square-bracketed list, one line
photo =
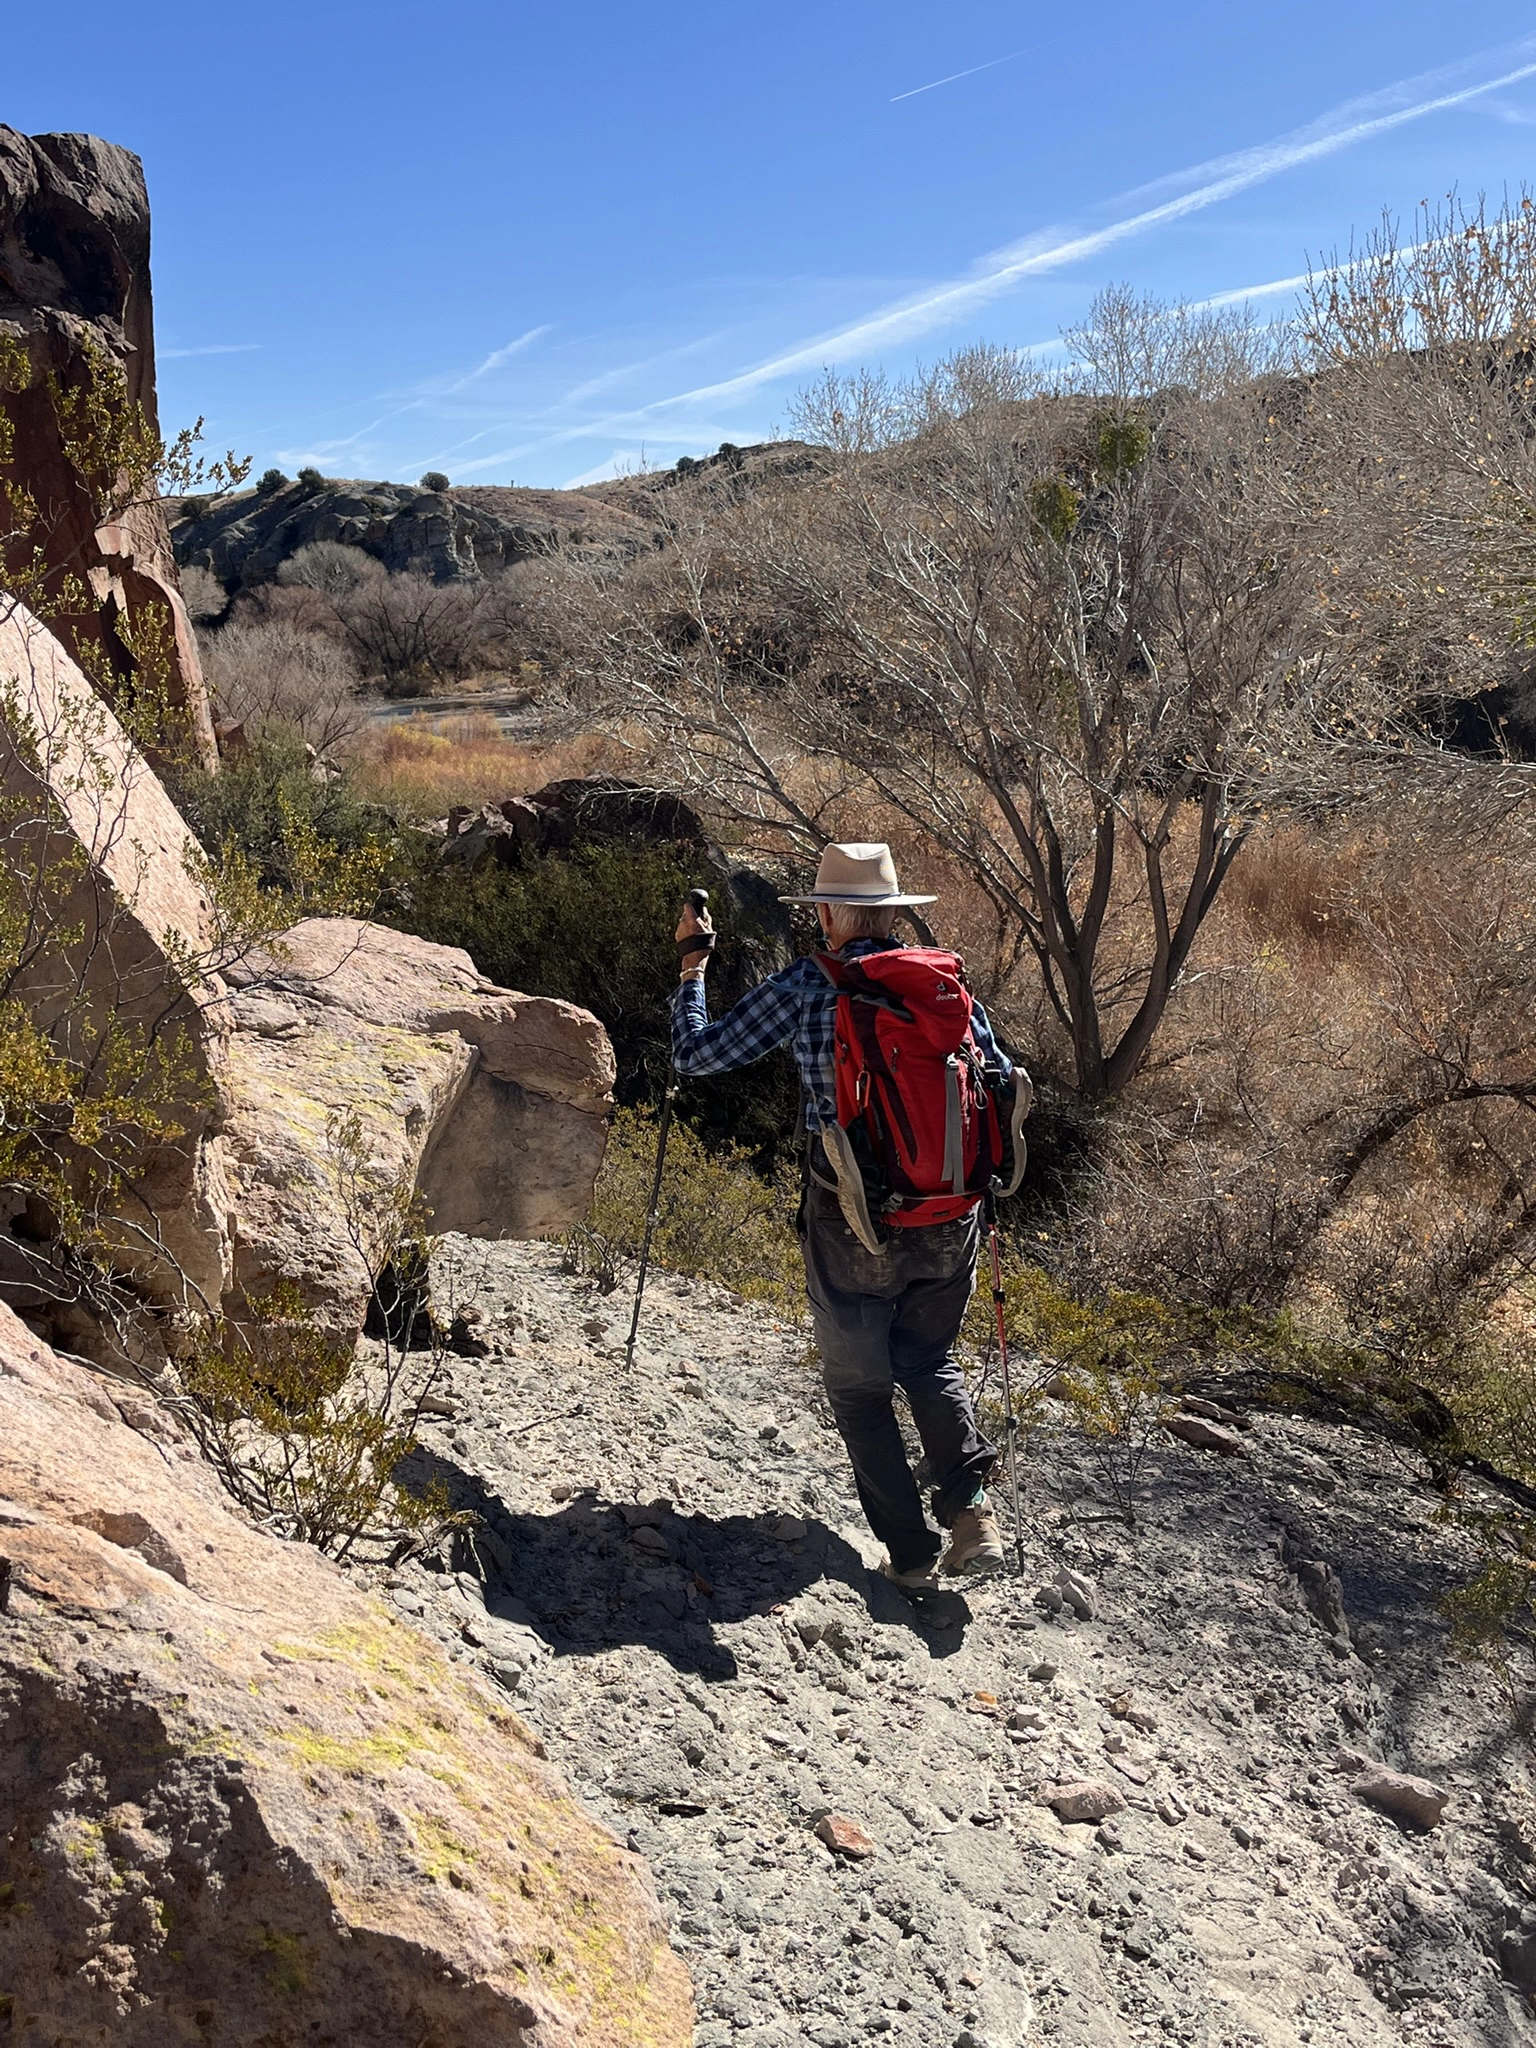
[(240, 1801), (466, 531), (74, 276), (245, 538)]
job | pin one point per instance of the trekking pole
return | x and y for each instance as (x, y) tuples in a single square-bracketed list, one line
[(698, 903), (1012, 1453)]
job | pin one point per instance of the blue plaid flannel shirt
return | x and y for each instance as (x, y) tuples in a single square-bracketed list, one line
[(795, 1007)]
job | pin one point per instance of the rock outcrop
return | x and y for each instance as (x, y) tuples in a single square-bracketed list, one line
[(494, 1104), (580, 810), (244, 537), (241, 1801), (74, 276), (97, 847), (344, 1066)]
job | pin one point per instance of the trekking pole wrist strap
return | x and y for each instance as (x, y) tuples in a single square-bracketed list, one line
[(696, 942)]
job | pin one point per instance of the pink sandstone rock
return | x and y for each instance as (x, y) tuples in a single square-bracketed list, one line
[(245, 1801)]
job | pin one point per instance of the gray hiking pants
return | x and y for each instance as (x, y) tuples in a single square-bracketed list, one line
[(892, 1321)]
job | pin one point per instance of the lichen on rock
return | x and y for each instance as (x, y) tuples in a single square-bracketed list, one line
[(242, 1800)]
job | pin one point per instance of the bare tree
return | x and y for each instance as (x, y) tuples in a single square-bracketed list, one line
[(406, 627), (330, 567), (1072, 632), (273, 673), (1422, 355), (204, 595)]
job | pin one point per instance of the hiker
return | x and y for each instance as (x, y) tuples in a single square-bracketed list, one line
[(886, 1302)]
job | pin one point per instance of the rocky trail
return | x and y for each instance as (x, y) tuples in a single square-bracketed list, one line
[(846, 1797)]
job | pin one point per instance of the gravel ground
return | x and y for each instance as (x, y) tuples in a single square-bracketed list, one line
[(675, 1584)]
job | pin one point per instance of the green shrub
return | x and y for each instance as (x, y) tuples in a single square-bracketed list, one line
[(1121, 442), (307, 1437), (717, 1219), (301, 1438), (1114, 1360), (594, 926), (269, 812), (434, 480), (311, 478), (1056, 508), (271, 480)]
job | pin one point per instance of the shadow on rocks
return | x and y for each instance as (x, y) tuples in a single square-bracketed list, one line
[(591, 1577)]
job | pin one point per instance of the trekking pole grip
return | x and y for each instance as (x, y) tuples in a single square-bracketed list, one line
[(697, 901)]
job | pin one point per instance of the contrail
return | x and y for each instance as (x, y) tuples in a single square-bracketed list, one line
[(220, 348), (499, 356), (1052, 249), (1224, 177), (934, 84)]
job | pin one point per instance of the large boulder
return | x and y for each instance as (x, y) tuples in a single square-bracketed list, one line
[(322, 1081), (96, 849), (493, 1104), (74, 277), (240, 1801)]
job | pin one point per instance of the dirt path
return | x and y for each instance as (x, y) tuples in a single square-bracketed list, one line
[(681, 1603)]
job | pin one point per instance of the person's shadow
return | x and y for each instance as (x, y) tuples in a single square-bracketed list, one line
[(590, 1577)]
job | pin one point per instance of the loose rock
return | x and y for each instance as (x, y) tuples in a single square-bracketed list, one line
[(845, 1837), (1083, 1799), (1205, 1436), (1406, 1798)]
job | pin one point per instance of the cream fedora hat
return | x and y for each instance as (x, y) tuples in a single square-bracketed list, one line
[(857, 874)]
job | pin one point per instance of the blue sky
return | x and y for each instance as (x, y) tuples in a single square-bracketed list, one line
[(537, 244)]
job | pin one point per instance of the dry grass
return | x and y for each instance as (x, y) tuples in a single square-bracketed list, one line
[(1291, 888), (426, 765)]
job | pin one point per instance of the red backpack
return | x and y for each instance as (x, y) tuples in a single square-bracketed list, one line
[(929, 1126)]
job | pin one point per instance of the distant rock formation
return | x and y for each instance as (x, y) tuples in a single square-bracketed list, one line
[(245, 537), (240, 1800), (492, 1104), (74, 271)]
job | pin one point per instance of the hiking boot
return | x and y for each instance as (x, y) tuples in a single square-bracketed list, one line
[(975, 1545), (922, 1578)]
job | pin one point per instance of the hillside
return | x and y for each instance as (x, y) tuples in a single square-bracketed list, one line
[(679, 1596), (244, 537)]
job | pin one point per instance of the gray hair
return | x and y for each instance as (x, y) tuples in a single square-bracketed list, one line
[(861, 921)]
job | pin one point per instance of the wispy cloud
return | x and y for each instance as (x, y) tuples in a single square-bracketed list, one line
[(1050, 249), (499, 357), (622, 462), (701, 415), (1513, 116), (954, 76), (1053, 249), (218, 348), (625, 371)]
